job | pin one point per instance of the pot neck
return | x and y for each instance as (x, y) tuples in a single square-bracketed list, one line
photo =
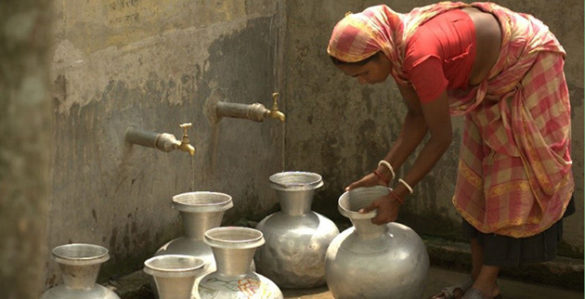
[(79, 277), (174, 287), (365, 229), (295, 203), (232, 262), (196, 224)]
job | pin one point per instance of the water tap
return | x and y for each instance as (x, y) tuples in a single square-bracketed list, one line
[(274, 113), (185, 143)]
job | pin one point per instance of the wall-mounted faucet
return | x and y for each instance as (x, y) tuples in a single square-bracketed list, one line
[(217, 108), (165, 142)]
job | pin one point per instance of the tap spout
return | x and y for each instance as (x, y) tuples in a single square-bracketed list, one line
[(165, 142), (185, 144), (276, 115), (274, 112), (216, 108)]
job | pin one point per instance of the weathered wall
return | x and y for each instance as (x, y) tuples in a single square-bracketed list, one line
[(352, 126), (25, 145), (152, 65)]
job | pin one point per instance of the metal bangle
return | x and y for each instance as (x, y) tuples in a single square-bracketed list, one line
[(406, 185), (387, 164)]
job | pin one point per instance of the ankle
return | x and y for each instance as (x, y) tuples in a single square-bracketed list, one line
[(486, 288)]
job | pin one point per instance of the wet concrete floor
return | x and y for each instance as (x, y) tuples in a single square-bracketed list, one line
[(440, 278)]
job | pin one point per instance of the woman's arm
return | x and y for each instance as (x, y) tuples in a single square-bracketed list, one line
[(411, 134), (413, 131), (438, 121), (434, 117)]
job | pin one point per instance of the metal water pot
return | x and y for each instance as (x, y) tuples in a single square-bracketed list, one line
[(233, 249), (374, 261), (200, 211), (80, 265), (296, 237), (174, 274)]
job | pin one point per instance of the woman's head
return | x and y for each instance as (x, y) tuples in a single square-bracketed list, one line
[(374, 69), (362, 43), (361, 35)]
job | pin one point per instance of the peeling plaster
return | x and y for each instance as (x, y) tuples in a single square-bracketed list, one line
[(86, 76)]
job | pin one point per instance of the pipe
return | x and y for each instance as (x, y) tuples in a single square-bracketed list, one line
[(162, 141), (255, 112)]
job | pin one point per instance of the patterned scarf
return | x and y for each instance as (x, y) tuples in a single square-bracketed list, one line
[(378, 28)]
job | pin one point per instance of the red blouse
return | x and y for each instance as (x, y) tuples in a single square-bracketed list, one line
[(440, 54)]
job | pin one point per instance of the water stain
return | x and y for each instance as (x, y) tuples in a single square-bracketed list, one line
[(113, 238)]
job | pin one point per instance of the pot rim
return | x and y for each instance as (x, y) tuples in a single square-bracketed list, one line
[(234, 237), (190, 267), (311, 181), (80, 254), (202, 201), (368, 194)]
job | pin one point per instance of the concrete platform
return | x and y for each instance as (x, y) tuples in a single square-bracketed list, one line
[(560, 278), (135, 286), (439, 278)]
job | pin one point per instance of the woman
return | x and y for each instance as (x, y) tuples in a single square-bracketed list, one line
[(501, 70)]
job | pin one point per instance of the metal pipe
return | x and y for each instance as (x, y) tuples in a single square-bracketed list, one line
[(216, 107), (162, 141), (255, 112), (144, 138)]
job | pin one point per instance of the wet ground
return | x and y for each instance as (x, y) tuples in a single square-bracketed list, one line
[(135, 286), (440, 277)]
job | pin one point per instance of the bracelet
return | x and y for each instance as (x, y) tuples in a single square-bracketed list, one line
[(397, 198), (387, 164), (406, 185), (381, 177)]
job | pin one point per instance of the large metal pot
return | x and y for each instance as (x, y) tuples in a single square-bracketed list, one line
[(233, 249), (200, 211), (174, 274), (374, 261), (296, 237), (80, 266)]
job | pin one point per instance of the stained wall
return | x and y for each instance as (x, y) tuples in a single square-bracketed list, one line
[(153, 65)]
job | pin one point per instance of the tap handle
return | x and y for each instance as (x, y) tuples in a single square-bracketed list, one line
[(275, 101), (185, 127)]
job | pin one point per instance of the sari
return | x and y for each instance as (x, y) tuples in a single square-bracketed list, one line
[(514, 175)]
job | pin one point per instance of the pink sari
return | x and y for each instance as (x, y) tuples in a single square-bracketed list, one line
[(514, 174)]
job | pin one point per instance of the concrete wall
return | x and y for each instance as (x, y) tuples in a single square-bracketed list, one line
[(152, 65), (352, 126)]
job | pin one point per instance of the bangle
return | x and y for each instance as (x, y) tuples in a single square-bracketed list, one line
[(397, 198), (381, 177), (387, 164), (406, 185)]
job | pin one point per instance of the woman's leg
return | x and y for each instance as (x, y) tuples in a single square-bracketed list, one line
[(484, 276), (486, 280), (476, 257)]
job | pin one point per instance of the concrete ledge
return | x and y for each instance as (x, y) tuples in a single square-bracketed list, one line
[(562, 272), (135, 285)]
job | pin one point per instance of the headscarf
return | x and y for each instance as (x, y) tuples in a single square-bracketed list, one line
[(379, 28)]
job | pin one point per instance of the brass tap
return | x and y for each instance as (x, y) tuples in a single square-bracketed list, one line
[(185, 143), (274, 113)]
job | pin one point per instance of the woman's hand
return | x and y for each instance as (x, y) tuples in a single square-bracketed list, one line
[(368, 180), (387, 207)]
